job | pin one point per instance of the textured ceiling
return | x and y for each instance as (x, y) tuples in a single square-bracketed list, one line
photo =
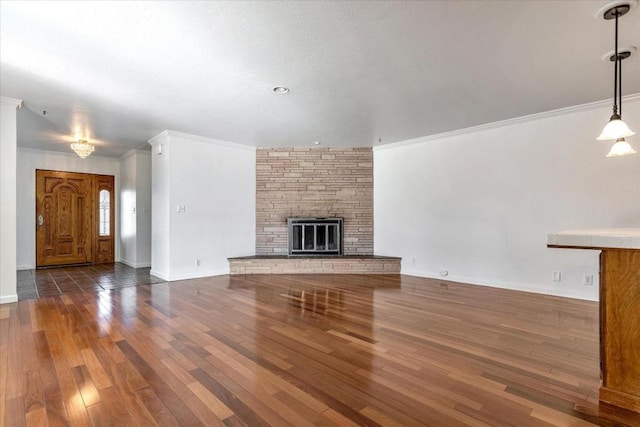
[(359, 72)]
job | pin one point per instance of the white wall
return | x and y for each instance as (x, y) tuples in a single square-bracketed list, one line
[(8, 213), (28, 161), (160, 207), (128, 210), (479, 203), (215, 182), (143, 202), (135, 208)]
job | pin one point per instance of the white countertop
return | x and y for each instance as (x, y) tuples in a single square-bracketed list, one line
[(613, 238)]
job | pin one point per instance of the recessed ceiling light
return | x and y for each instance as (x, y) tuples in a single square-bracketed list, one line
[(316, 142), (281, 90)]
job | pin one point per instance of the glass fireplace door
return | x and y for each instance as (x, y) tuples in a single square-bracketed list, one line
[(315, 236)]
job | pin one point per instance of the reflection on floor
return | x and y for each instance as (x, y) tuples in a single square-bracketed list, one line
[(300, 350), (91, 278)]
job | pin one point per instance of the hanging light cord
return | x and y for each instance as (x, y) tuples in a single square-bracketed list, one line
[(619, 71), (615, 69)]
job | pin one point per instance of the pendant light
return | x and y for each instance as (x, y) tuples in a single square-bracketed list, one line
[(621, 148), (616, 129)]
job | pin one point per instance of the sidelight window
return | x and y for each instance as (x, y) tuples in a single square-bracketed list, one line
[(105, 213)]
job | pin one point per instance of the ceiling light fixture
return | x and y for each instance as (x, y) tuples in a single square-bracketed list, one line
[(281, 90), (82, 148), (616, 129)]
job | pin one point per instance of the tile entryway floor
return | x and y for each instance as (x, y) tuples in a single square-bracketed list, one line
[(48, 282)]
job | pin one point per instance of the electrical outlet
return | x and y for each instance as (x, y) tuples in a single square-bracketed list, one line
[(587, 280), (197, 262), (556, 277), (181, 209), (413, 261), (444, 273)]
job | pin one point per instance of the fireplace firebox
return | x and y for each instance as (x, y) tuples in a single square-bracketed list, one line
[(315, 236)]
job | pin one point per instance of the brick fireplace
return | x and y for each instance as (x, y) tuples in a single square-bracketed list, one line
[(314, 183)]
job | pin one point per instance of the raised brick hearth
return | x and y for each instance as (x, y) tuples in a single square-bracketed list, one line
[(315, 265)]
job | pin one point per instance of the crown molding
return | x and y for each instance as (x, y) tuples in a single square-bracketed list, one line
[(11, 101), (63, 153), (134, 151), (170, 133), (508, 122), (162, 135)]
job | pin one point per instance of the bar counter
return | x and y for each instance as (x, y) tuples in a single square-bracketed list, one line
[(619, 308)]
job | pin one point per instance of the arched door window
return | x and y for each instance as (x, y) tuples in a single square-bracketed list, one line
[(105, 217)]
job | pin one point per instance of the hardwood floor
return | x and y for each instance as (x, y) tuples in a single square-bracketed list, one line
[(299, 350)]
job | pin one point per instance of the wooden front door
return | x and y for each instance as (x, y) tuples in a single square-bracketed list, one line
[(68, 218), (63, 218)]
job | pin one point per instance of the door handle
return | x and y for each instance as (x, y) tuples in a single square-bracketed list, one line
[(40, 220)]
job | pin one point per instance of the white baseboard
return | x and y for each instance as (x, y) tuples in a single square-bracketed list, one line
[(535, 288), (135, 265), (188, 276), (159, 275), (26, 267), (8, 299)]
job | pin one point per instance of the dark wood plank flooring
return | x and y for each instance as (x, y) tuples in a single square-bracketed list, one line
[(302, 350)]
